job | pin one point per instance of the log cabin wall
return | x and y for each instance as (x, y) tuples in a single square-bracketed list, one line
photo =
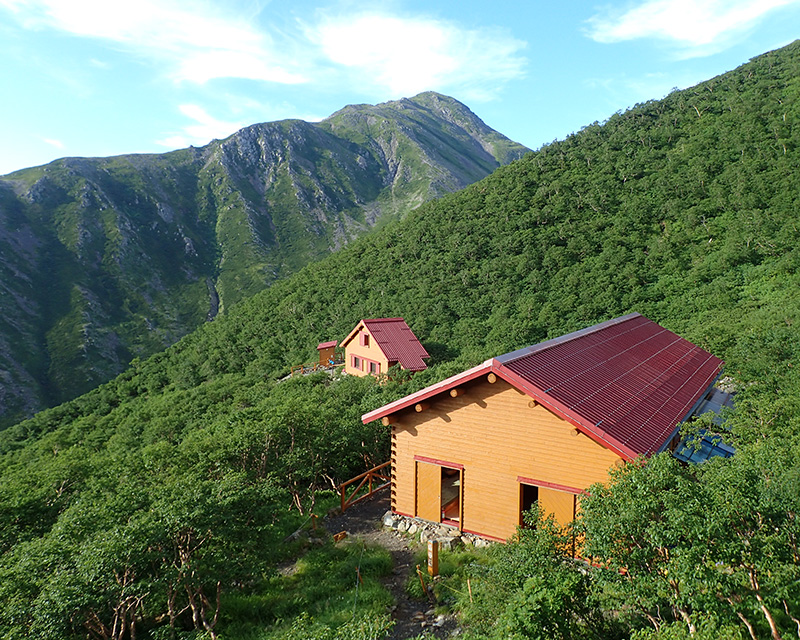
[(501, 439)]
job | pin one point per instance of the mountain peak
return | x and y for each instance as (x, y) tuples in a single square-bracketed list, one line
[(128, 253)]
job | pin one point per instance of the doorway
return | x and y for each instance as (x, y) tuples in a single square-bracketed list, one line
[(451, 496), (439, 493), (528, 495)]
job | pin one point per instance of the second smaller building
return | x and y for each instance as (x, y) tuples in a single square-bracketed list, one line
[(379, 343)]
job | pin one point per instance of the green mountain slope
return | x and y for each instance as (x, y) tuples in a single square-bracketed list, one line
[(107, 259), (684, 209)]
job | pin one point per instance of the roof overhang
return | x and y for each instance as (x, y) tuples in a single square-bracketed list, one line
[(493, 365), (353, 333)]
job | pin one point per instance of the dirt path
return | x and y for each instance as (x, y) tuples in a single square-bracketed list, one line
[(412, 617)]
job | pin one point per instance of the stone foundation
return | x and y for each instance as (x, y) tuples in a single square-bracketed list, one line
[(447, 536)]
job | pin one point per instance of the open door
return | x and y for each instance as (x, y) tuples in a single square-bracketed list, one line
[(560, 503), (440, 493), (429, 491)]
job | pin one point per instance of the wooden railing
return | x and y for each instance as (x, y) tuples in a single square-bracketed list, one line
[(365, 479), (303, 369)]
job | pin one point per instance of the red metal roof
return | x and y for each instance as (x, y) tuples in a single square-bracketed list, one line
[(626, 383), (326, 345), (396, 340)]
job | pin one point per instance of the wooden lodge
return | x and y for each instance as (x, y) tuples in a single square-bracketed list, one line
[(377, 344), (541, 423)]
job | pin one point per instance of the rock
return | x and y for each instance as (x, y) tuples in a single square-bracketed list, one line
[(412, 529), (403, 526), (389, 520), (430, 612), (440, 619)]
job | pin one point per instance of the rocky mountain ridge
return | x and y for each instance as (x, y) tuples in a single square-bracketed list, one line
[(107, 259)]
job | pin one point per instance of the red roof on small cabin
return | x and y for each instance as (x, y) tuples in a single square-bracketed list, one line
[(396, 340), (626, 383), (326, 345)]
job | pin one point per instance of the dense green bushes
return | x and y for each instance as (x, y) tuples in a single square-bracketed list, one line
[(185, 474)]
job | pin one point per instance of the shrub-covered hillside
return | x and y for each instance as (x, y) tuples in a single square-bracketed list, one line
[(178, 480)]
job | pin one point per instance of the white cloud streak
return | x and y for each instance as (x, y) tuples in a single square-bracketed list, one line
[(699, 27), (196, 40), (407, 55), (201, 130)]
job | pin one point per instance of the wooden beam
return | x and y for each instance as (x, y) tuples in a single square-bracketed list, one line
[(532, 404), (455, 392), (491, 378), (387, 420), (421, 406)]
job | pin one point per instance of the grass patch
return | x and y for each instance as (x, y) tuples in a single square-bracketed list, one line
[(333, 592)]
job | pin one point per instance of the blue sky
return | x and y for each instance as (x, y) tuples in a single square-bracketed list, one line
[(106, 77)]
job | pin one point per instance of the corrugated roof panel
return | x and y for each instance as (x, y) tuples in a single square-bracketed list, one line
[(630, 377), (398, 342)]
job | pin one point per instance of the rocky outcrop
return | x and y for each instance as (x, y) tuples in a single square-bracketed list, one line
[(107, 259)]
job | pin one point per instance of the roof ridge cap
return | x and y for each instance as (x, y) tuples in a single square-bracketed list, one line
[(511, 356)]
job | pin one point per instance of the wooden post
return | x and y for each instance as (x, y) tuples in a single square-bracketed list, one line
[(421, 406), (387, 420), (491, 378), (433, 558), (455, 392)]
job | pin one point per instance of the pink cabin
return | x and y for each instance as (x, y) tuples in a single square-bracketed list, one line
[(377, 344)]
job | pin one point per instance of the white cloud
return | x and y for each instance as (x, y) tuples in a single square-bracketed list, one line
[(407, 55), (196, 39), (203, 128), (54, 143), (698, 26)]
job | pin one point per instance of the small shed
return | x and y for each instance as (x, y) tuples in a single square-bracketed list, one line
[(327, 352), (542, 424), (376, 344)]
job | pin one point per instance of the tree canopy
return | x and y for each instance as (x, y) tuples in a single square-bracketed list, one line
[(166, 493)]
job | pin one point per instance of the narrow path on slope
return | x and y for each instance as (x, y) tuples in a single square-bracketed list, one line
[(412, 617)]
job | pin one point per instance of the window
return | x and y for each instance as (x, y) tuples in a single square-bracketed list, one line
[(374, 368), (363, 339), (356, 362)]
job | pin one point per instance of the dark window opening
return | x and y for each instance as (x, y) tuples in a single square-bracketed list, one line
[(528, 494)]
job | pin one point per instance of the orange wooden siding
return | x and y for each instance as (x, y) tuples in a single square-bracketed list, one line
[(370, 352), (498, 438)]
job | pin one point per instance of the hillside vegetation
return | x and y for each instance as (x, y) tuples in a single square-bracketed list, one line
[(163, 497), (105, 259)]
